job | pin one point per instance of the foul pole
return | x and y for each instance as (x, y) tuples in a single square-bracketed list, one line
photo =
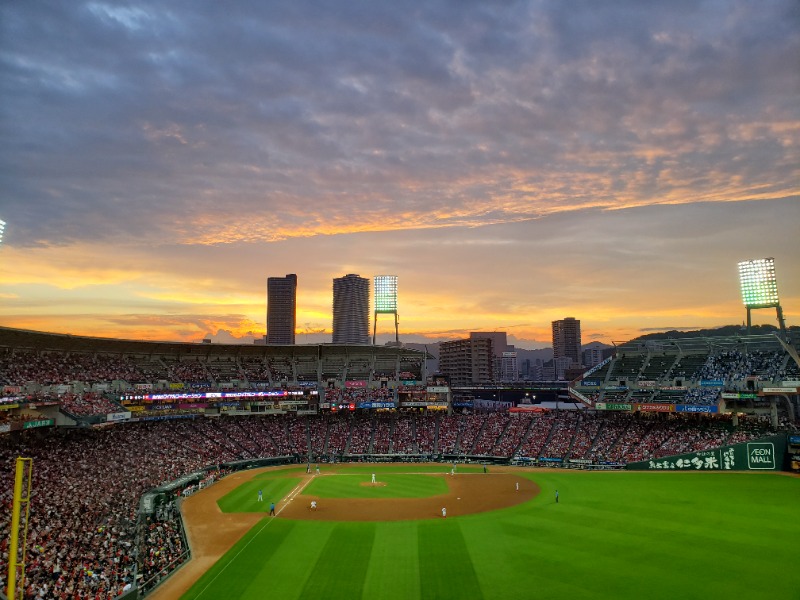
[(22, 495)]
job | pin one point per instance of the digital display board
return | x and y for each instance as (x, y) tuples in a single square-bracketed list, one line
[(386, 294), (757, 281)]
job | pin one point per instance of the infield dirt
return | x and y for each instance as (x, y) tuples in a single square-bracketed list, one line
[(211, 533)]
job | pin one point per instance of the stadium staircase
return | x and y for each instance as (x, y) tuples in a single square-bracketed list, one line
[(372, 428), (575, 432), (391, 435), (499, 438), (522, 438), (475, 441)]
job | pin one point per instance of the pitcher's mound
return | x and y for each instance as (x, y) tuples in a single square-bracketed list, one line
[(376, 484)]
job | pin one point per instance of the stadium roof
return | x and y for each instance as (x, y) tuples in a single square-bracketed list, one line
[(24, 339)]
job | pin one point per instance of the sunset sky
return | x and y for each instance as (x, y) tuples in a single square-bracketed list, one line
[(511, 162)]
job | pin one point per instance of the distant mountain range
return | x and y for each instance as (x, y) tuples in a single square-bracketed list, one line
[(725, 331)]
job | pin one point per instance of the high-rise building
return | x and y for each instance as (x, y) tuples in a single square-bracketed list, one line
[(508, 367), (467, 362), (281, 309), (500, 346), (351, 310), (567, 339), (499, 341), (592, 356)]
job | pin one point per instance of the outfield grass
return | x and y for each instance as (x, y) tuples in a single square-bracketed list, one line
[(613, 535)]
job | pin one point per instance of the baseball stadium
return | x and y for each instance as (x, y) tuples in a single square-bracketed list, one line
[(175, 470)]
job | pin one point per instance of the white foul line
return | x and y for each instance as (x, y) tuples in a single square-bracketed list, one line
[(292, 495)]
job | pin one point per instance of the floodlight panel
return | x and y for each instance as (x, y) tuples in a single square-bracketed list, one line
[(386, 294), (758, 284), (2, 229)]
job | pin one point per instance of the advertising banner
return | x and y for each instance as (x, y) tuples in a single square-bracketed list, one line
[(791, 383), (355, 384), (613, 406), (656, 407), (696, 408), (437, 389), (11, 389), (525, 408), (761, 456), (369, 405), (5, 427), (794, 440), (590, 383), (39, 423), (8, 406), (780, 390), (120, 416), (764, 455), (711, 383), (491, 405)]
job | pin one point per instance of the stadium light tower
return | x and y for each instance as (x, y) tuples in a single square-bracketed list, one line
[(385, 303), (759, 288), (2, 229)]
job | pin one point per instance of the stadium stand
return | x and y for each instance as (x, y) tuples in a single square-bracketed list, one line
[(78, 402)]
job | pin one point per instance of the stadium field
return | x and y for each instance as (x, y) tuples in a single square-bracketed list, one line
[(611, 535)]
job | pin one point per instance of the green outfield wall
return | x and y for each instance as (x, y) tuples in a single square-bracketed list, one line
[(766, 454)]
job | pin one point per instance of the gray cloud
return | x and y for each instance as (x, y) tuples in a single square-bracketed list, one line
[(203, 121)]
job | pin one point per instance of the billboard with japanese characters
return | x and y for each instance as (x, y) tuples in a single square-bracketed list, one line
[(768, 454)]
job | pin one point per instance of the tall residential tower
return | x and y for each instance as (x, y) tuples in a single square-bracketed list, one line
[(351, 310), (281, 309), (567, 339)]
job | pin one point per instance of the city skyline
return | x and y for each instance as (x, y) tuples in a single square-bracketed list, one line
[(509, 164)]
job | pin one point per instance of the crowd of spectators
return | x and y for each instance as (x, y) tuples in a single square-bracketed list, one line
[(354, 395), (735, 365), (494, 426), (84, 540), (82, 405), (56, 368)]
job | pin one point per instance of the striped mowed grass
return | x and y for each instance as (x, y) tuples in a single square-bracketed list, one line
[(612, 535)]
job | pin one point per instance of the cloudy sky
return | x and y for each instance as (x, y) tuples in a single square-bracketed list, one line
[(511, 162)]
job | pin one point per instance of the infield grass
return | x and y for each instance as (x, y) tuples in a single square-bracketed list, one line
[(612, 535)]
